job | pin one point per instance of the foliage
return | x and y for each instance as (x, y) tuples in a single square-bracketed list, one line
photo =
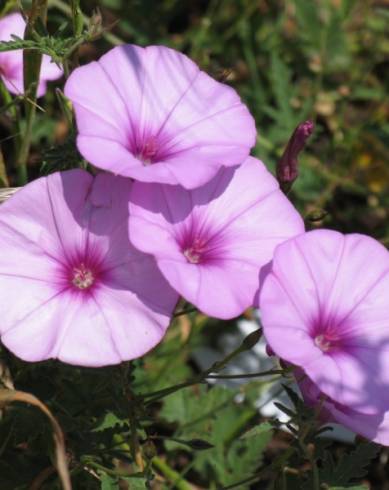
[(289, 60)]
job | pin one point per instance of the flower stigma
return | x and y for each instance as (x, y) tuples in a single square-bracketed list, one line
[(194, 253), (82, 277), (148, 151)]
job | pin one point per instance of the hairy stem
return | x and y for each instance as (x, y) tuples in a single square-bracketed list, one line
[(31, 67), (175, 478)]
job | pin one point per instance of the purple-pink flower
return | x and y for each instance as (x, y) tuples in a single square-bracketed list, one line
[(325, 308), (153, 115), (11, 62), (72, 286), (374, 427), (211, 243)]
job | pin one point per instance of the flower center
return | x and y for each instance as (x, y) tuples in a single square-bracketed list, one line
[(322, 343), (82, 277), (326, 341), (148, 151), (194, 253)]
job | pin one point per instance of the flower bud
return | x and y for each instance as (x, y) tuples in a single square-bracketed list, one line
[(287, 168)]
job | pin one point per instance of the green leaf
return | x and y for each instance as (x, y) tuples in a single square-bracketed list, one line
[(109, 421), (109, 483), (280, 76), (307, 14), (351, 466), (112, 483), (336, 48), (258, 430), (136, 483)]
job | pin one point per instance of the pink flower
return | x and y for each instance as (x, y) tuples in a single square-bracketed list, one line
[(72, 286), (372, 426), (325, 308), (11, 62), (151, 114), (211, 243)]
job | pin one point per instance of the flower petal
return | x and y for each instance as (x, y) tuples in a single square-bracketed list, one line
[(175, 123), (319, 284), (73, 279), (240, 216)]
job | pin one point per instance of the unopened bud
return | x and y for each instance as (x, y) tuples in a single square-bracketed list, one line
[(199, 444), (287, 168), (95, 27), (149, 449), (251, 339)]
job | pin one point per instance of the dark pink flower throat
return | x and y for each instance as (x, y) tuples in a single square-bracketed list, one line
[(199, 244), (196, 251), (330, 336), (149, 148), (83, 272)]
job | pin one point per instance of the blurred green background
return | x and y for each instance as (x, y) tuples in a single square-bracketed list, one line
[(290, 60)]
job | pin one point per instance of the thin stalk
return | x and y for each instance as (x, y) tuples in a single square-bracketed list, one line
[(315, 475), (157, 395), (10, 105), (136, 450), (175, 478), (93, 464), (218, 366), (21, 162), (271, 372), (77, 19), (31, 66), (66, 9), (184, 312)]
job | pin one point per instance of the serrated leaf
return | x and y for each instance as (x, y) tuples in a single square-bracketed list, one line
[(112, 483), (245, 456), (258, 430), (109, 421), (352, 466)]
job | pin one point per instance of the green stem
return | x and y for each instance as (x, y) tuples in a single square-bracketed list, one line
[(218, 366), (10, 105), (116, 473), (157, 395), (179, 482), (315, 475), (184, 312), (31, 67), (77, 19), (136, 450), (21, 162), (271, 372), (66, 9)]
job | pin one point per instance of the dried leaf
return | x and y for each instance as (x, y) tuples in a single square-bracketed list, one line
[(11, 396)]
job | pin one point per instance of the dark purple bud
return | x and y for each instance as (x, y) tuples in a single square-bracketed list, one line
[(287, 168)]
